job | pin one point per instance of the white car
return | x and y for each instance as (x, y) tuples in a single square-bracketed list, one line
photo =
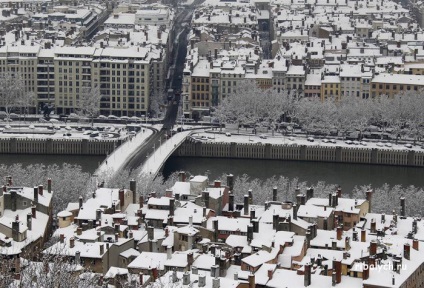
[(325, 140), (291, 138), (310, 139), (102, 117), (388, 145), (113, 117), (86, 132), (228, 134), (355, 143), (262, 136), (379, 144), (348, 142), (332, 141), (363, 143), (408, 145)]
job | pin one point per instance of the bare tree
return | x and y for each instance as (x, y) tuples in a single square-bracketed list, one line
[(26, 101), (68, 181), (88, 103), (11, 90)]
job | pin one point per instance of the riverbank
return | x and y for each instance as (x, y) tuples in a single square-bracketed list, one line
[(277, 148)]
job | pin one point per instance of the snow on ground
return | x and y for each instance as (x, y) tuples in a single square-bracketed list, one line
[(215, 136), (153, 164), (116, 160)]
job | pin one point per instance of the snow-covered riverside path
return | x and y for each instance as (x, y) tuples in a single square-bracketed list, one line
[(116, 160)]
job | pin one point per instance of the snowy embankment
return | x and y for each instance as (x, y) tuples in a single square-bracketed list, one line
[(214, 136), (160, 154), (118, 157)]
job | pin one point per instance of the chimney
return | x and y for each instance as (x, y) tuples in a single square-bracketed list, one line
[(72, 242), (102, 249), (150, 233), (190, 259), (34, 212), (182, 176), (329, 199), (337, 266), (171, 206), (407, 251), (373, 247), (415, 244), (40, 190), (215, 228), (309, 193), (169, 252), (35, 194), (249, 233), (246, 205), (98, 215), (250, 193), (29, 221), (79, 231), (402, 206), (369, 197), (365, 272), (49, 185), (373, 225), (202, 281), (186, 278), (130, 234), (307, 275), (77, 257), (339, 233), (205, 196), (339, 192), (347, 243), (252, 280), (217, 184), (121, 197), (231, 202), (230, 181), (295, 208), (116, 237), (363, 235), (270, 273), (216, 282), (62, 238), (79, 201), (252, 215), (133, 188), (274, 193)]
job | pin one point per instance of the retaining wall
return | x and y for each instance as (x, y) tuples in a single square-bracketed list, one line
[(192, 148), (57, 146)]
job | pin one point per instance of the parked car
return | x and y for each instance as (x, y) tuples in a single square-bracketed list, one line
[(228, 134), (310, 139), (262, 136)]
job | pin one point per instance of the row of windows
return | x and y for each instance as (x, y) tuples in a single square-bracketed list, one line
[(395, 86)]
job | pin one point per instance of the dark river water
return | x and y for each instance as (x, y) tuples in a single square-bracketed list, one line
[(346, 175)]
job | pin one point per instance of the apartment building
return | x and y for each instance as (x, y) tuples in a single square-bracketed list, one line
[(59, 74), (392, 84)]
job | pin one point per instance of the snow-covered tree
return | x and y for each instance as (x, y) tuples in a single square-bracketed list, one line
[(88, 102), (68, 181), (11, 90)]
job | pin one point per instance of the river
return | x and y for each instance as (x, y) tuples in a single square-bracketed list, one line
[(346, 175)]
